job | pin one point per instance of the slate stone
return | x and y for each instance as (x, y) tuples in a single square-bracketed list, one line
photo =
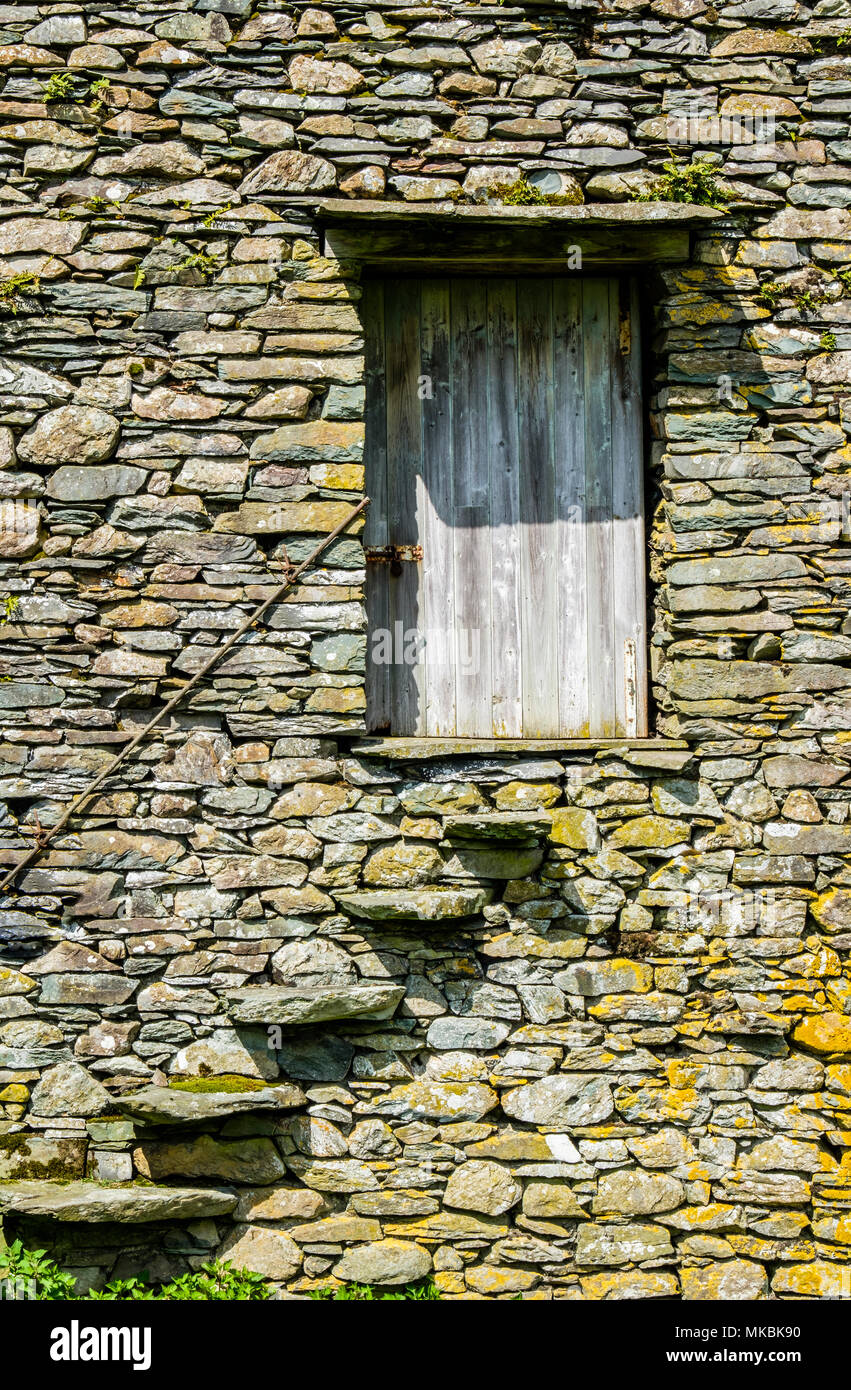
[(71, 433), (68, 1089), (289, 171), (88, 988), (414, 905), (265, 1251), (384, 1262), (466, 1034), (323, 1058), (316, 1004), (76, 484), (132, 1204), (168, 1105), (624, 1244), (437, 1100), (233, 1160), (29, 1157), (560, 1100), (20, 529)]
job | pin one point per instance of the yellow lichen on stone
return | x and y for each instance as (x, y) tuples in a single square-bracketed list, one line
[(824, 1033), (820, 1279), (494, 1280), (629, 1284)]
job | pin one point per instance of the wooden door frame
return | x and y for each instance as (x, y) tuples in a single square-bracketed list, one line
[(613, 239)]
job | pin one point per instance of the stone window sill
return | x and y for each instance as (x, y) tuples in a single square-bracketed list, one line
[(405, 749), (395, 236), (590, 214)]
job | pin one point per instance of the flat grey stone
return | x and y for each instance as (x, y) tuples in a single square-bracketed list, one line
[(466, 1034), (169, 1105), (134, 1204), (598, 214), (414, 904), (502, 827), (71, 483), (276, 1004)]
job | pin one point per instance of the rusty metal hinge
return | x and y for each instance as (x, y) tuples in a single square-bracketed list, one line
[(630, 680), (393, 555)]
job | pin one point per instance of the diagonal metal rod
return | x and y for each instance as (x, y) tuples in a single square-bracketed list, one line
[(84, 796)]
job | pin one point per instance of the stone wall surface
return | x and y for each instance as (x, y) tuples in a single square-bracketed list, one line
[(571, 1023)]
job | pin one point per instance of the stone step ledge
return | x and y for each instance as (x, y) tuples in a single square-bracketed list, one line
[(131, 1203), (172, 1105)]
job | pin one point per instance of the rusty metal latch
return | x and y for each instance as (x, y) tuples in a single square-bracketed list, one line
[(393, 555)]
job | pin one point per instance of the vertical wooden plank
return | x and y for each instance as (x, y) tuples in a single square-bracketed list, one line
[(501, 445), (520, 474), (539, 581), (630, 637), (569, 457), (404, 460), (598, 459), (473, 671), (438, 537), (377, 598)]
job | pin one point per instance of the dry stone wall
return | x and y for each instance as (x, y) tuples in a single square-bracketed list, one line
[(573, 1024)]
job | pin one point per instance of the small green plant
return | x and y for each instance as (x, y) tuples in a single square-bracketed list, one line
[(18, 292), (199, 260), (521, 193), (210, 219), (828, 341), (218, 1281), (844, 278), (124, 1291), (33, 1273), (696, 182), (770, 295), (99, 93), (843, 40), (424, 1290), (59, 87), (807, 301), (10, 605), (215, 1282), (98, 204)]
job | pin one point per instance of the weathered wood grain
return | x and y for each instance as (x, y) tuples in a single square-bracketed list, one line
[(508, 444)]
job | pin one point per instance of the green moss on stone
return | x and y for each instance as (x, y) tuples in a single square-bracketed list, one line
[(227, 1082)]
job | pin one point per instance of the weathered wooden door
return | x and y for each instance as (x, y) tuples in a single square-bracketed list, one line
[(505, 573)]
